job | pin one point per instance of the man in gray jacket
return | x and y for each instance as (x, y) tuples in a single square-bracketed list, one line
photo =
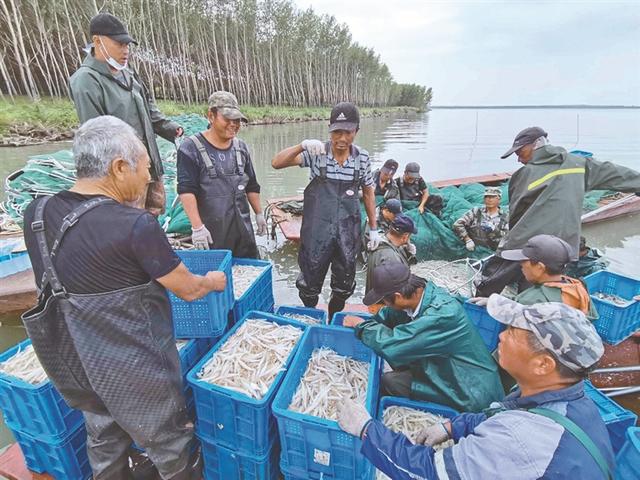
[(546, 196), (104, 85)]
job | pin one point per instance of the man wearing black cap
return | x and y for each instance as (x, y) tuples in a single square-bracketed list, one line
[(412, 187), (104, 85), (546, 196), (383, 178), (388, 211), (423, 333), (330, 234)]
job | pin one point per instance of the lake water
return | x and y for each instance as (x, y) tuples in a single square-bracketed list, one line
[(447, 144)]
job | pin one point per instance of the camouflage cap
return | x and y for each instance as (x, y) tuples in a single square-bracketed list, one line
[(227, 104), (561, 329), (492, 192)]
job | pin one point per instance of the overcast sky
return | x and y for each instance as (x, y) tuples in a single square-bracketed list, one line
[(496, 52)]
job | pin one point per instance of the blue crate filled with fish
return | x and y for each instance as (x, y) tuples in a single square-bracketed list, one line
[(613, 296), (235, 382), (310, 316), (331, 364), (488, 327), (616, 418), (628, 458), (338, 317), (28, 400), (207, 316), (252, 286), (223, 463), (65, 458)]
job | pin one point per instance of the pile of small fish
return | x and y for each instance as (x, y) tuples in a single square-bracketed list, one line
[(251, 358), (243, 277), (329, 379), (456, 276), (615, 299), (410, 421), (25, 366), (300, 317)]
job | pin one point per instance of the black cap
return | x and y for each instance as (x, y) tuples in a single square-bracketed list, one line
[(393, 205), (390, 166), (344, 116), (387, 278), (110, 26), (412, 169), (525, 137), (403, 224), (548, 249)]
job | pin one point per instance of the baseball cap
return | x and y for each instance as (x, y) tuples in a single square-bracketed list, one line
[(561, 329), (110, 26), (390, 166), (344, 116), (386, 279), (227, 104), (412, 169), (525, 137), (492, 192), (403, 224), (550, 250), (393, 205)]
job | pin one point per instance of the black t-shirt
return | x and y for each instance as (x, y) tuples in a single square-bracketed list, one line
[(111, 247)]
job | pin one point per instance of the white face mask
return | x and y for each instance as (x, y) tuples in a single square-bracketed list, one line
[(112, 61)]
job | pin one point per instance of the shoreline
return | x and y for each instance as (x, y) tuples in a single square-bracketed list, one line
[(25, 123)]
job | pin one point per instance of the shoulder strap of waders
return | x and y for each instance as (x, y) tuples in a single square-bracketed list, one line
[(322, 161), (239, 157), (579, 435), (204, 156), (356, 168)]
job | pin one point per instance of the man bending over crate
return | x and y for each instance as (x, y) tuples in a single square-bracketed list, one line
[(102, 328)]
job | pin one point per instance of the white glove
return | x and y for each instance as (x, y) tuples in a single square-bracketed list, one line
[(201, 238), (352, 417), (432, 435), (261, 223), (374, 240), (480, 301), (411, 248), (470, 245), (314, 147)]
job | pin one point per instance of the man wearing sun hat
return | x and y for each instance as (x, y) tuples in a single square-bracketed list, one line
[(484, 225), (547, 428)]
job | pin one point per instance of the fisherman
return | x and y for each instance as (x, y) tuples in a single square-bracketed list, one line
[(485, 225), (395, 247), (546, 196), (412, 187), (105, 85), (102, 328), (330, 234), (423, 333), (387, 213), (547, 428), (589, 261), (383, 178), (217, 182)]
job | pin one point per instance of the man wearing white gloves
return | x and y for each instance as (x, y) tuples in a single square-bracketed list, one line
[(330, 234), (217, 182)]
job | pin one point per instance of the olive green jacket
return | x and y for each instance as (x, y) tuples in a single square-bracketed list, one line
[(546, 195), (95, 91), (542, 293), (448, 360), (386, 252)]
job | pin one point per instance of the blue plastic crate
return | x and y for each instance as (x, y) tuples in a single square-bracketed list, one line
[(223, 463), (65, 459), (628, 459), (338, 317), (616, 322), (37, 410), (488, 327), (582, 153), (616, 418), (259, 296), (313, 447), (321, 315), (207, 316), (14, 263), (232, 419)]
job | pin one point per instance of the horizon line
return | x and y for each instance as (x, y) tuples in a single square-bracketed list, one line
[(538, 106)]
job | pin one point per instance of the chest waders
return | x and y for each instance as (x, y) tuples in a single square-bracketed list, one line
[(330, 235), (409, 191), (223, 204), (113, 356)]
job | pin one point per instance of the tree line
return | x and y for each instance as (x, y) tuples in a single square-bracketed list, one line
[(267, 52)]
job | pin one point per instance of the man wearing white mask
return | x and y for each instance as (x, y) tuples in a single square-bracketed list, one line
[(105, 85)]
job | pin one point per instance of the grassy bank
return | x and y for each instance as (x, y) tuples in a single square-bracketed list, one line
[(25, 118)]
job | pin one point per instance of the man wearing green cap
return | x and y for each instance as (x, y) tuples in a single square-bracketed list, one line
[(485, 225), (105, 85), (217, 182)]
